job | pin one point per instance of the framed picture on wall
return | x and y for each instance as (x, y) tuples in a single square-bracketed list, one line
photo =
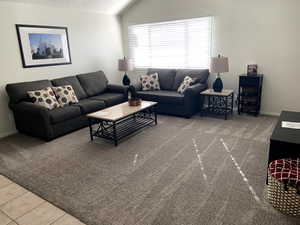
[(43, 45), (252, 69)]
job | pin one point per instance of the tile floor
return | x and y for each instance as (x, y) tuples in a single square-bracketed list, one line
[(19, 206)]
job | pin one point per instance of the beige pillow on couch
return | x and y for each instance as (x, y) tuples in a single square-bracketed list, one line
[(150, 82), (44, 97), (186, 83), (65, 95)]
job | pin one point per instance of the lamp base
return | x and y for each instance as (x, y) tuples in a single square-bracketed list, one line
[(218, 85), (126, 80)]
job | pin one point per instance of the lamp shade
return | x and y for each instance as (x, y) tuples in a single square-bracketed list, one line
[(219, 65), (125, 65)]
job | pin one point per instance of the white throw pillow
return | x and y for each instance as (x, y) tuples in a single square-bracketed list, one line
[(150, 82), (186, 83)]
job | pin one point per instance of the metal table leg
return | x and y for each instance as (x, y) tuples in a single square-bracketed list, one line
[(115, 134), (91, 128), (226, 107), (155, 116), (232, 100)]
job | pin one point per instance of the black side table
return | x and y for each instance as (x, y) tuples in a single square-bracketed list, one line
[(219, 103), (250, 91)]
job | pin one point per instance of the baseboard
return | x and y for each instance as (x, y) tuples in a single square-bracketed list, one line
[(270, 113), (5, 134)]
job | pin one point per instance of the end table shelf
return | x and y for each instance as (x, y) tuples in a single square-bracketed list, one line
[(218, 103)]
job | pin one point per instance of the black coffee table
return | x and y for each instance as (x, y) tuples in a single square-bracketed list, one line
[(285, 142)]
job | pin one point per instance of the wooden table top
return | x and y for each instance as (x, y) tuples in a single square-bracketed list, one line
[(120, 111), (225, 92)]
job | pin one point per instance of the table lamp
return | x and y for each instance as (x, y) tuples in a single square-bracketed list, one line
[(125, 65), (219, 65)]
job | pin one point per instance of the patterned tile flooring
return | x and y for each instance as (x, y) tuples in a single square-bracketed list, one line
[(19, 206)]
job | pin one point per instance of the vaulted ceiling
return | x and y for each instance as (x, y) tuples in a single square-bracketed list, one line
[(101, 6)]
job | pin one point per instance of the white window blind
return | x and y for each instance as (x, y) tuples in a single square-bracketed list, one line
[(174, 44)]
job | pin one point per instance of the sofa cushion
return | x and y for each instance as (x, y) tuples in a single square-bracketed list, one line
[(89, 105), (162, 96), (93, 83), (18, 91), (62, 114), (74, 82), (201, 76), (44, 97), (166, 77), (110, 99)]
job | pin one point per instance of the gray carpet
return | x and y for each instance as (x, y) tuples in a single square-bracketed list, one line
[(181, 172)]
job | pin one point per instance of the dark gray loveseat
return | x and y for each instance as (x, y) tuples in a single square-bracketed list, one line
[(169, 100), (92, 90)]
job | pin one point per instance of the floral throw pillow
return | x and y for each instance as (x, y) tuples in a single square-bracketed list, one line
[(65, 95), (44, 97), (150, 82), (186, 83)]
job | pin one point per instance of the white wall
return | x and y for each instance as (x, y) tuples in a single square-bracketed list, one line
[(95, 43), (266, 32)]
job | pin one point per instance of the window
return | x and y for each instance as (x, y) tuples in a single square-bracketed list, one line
[(174, 44)]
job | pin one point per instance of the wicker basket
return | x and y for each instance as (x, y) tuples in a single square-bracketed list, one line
[(286, 200), (134, 102)]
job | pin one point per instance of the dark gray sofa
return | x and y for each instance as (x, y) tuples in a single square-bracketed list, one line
[(169, 100), (92, 90)]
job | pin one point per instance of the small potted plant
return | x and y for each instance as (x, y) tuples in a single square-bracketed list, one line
[(133, 99)]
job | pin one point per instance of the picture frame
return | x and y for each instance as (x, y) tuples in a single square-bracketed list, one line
[(43, 45), (252, 69)]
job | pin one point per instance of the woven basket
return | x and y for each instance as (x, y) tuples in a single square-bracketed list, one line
[(134, 102), (286, 200)]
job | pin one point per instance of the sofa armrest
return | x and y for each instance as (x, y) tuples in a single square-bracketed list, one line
[(195, 89), (30, 108), (117, 88), (193, 100), (32, 119)]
